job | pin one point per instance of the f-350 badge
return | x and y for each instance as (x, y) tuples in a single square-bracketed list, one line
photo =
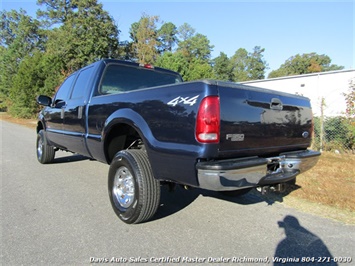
[(235, 137)]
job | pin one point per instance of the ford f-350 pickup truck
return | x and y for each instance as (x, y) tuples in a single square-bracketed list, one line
[(153, 128)]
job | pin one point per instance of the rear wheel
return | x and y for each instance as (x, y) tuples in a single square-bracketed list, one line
[(134, 192), (45, 152)]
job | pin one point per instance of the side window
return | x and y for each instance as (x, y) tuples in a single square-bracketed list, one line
[(63, 91), (81, 84), (113, 78)]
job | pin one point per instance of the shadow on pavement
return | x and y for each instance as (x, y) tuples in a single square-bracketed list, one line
[(70, 159), (174, 201), (300, 246)]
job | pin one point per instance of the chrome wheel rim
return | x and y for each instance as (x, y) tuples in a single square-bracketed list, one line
[(39, 148), (123, 187)]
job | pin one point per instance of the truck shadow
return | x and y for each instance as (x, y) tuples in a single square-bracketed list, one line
[(174, 201), (272, 197), (70, 159)]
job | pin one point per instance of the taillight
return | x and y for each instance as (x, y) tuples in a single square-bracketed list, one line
[(208, 120)]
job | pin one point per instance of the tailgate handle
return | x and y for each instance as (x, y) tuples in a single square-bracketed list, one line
[(276, 104)]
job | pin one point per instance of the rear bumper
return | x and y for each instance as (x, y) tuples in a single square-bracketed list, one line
[(234, 174)]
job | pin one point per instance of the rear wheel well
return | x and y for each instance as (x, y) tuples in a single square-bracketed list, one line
[(121, 137)]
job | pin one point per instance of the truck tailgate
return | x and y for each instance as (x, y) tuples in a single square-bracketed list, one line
[(257, 121)]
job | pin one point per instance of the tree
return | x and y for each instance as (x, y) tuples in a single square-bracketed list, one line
[(167, 37), (198, 69), (192, 57), (248, 65), (304, 64), (256, 64), (193, 45), (145, 36), (239, 65), (200, 47), (222, 68), (57, 11), (86, 32), (37, 74), (185, 32), (20, 36), (174, 61), (133, 31)]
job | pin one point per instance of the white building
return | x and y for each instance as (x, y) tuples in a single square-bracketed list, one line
[(328, 85)]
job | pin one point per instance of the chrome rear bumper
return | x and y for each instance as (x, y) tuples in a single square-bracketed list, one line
[(241, 173)]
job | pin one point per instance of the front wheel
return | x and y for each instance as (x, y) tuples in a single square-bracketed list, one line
[(134, 192), (45, 152)]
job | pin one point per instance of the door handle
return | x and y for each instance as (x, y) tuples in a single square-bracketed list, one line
[(276, 104), (62, 110), (80, 112)]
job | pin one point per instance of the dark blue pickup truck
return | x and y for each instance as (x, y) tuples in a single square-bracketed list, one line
[(153, 128)]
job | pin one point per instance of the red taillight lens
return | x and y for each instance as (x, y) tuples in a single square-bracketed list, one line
[(149, 66), (208, 120)]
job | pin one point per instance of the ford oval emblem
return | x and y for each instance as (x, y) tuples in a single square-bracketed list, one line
[(305, 134)]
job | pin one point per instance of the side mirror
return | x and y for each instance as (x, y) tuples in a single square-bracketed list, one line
[(44, 100)]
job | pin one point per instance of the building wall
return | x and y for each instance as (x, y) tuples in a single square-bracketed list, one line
[(328, 85)]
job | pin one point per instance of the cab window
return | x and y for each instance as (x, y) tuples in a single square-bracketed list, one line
[(81, 83), (63, 91)]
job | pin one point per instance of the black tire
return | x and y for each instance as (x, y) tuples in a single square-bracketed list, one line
[(236, 193), (45, 153), (134, 192)]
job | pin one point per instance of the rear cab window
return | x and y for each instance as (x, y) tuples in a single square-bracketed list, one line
[(122, 78)]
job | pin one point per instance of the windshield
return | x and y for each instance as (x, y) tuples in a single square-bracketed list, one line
[(120, 78)]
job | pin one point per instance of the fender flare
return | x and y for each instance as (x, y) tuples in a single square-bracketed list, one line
[(131, 118)]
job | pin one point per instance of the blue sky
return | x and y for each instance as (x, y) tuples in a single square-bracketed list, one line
[(283, 28)]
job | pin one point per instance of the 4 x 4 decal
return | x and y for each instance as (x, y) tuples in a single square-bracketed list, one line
[(184, 100)]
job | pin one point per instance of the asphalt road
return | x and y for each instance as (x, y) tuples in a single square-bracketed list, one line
[(60, 214)]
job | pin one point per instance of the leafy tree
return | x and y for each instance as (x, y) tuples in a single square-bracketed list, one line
[(20, 35), (198, 69), (167, 37), (200, 47), (37, 74), (133, 31), (256, 64), (174, 61), (86, 32), (222, 68), (194, 46), (248, 65), (57, 11), (192, 57), (304, 64), (185, 32), (145, 34), (239, 65)]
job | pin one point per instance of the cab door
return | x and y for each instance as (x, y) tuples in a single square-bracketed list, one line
[(74, 124), (54, 115)]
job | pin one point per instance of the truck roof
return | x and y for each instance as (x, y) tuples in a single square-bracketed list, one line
[(134, 64)]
